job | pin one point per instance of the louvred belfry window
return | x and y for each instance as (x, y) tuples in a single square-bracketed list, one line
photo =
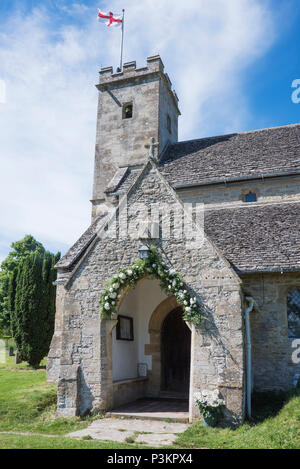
[(127, 111)]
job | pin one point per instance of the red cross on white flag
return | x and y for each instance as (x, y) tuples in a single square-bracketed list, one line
[(113, 20), (109, 18)]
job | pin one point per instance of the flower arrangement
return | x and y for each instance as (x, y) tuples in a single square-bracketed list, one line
[(210, 405), (153, 267)]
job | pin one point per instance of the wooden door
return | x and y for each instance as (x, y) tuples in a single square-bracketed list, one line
[(175, 353)]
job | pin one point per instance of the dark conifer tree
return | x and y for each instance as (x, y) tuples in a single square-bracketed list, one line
[(20, 250), (28, 324), (11, 293), (18, 313), (32, 305)]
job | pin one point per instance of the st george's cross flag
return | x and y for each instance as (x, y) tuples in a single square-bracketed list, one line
[(109, 18)]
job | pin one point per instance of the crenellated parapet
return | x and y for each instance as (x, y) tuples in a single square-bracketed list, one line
[(135, 105), (131, 72)]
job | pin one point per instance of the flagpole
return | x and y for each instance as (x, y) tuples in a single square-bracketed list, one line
[(122, 42)]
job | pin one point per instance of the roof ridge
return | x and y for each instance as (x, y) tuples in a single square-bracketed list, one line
[(236, 133)]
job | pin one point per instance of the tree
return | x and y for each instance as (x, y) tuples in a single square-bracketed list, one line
[(4, 309), (33, 310), (20, 251), (48, 299), (12, 283), (52, 297), (27, 298)]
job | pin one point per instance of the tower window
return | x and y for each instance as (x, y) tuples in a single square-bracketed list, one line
[(293, 314), (127, 111), (169, 123), (250, 197)]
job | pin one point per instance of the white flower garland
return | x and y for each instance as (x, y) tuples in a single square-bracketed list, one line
[(153, 267)]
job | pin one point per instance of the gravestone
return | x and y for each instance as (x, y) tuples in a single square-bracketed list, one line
[(17, 359)]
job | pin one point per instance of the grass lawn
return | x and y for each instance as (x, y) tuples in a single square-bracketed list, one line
[(42, 442), (28, 404), (276, 426)]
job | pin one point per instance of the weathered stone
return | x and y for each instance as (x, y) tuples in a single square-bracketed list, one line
[(98, 270), (231, 237), (121, 142), (68, 391)]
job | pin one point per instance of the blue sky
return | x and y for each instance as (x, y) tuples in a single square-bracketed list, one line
[(232, 64), (268, 80)]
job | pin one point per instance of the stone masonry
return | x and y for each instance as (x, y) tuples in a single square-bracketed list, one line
[(217, 358), (120, 143), (273, 368), (239, 250)]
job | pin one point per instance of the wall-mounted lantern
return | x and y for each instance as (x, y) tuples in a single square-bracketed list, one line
[(144, 252)]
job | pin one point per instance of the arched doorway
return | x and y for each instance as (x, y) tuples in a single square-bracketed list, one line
[(175, 354)]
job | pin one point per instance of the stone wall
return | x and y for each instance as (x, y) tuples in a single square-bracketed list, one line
[(121, 142), (273, 368), (129, 390), (167, 108), (217, 356), (80, 358), (231, 194)]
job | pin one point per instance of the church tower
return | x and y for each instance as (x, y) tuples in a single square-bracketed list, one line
[(134, 106)]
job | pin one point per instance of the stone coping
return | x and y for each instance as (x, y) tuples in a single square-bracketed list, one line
[(130, 380)]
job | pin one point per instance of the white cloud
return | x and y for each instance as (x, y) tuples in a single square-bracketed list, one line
[(47, 125), (205, 45)]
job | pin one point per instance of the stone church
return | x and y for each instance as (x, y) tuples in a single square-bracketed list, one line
[(223, 216)]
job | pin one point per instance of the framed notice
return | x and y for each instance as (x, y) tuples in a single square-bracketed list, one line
[(124, 328)]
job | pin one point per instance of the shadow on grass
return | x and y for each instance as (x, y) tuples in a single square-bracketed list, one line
[(275, 426), (269, 404)]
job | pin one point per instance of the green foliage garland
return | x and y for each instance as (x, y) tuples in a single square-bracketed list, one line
[(153, 267)]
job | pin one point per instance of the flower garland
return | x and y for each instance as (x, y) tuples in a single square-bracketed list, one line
[(152, 267), (210, 405)]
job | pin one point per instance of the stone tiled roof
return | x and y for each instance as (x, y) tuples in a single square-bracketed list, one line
[(116, 181), (257, 238), (253, 238), (127, 181), (235, 156), (76, 251), (255, 154)]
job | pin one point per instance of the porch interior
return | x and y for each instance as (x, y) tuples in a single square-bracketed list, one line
[(151, 349)]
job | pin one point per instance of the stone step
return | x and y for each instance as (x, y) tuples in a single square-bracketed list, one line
[(164, 416), (173, 395)]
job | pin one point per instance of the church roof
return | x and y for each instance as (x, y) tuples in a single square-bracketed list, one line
[(122, 180), (252, 238), (236, 156), (246, 155), (76, 251), (257, 238)]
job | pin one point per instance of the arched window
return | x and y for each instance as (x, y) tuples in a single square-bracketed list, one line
[(250, 197), (293, 314)]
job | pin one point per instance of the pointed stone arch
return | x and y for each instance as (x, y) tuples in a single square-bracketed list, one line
[(171, 283)]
